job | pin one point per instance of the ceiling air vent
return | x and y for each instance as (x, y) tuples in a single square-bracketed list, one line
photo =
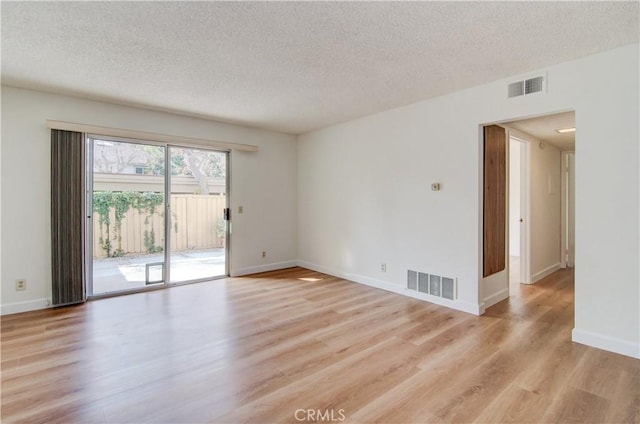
[(527, 86), (516, 89)]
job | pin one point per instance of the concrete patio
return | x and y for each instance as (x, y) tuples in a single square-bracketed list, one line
[(129, 272)]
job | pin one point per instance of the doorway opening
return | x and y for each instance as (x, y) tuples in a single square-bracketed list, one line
[(551, 142), (198, 225), (528, 204), (545, 233), (157, 215)]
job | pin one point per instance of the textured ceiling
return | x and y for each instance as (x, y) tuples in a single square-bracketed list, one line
[(294, 66), (545, 128)]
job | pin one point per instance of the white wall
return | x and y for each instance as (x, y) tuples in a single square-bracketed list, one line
[(263, 182), (364, 195), (514, 198), (545, 210)]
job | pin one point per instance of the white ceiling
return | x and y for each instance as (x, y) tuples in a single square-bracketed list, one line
[(545, 128), (294, 66)]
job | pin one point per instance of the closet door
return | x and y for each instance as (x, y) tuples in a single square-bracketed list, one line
[(495, 184)]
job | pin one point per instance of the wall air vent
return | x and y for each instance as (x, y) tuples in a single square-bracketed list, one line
[(448, 288), (434, 285), (526, 86), (412, 280), (423, 282)]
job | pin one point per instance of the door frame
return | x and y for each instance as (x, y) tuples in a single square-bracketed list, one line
[(88, 214), (88, 139), (525, 204), (167, 250), (565, 258)]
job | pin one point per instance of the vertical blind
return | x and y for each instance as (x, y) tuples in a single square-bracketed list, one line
[(67, 217)]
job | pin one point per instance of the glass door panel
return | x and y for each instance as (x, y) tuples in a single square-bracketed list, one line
[(127, 217), (198, 231)]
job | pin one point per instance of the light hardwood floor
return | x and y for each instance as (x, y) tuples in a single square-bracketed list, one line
[(257, 349)]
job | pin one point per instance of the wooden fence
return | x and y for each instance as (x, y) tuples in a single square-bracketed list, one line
[(196, 223)]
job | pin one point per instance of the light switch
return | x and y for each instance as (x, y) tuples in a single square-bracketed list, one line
[(240, 209)]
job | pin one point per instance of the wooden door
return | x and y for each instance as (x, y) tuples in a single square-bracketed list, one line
[(495, 184)]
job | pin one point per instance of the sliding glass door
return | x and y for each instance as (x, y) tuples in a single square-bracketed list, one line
[(156, 215), (127, 203), (198, 230)]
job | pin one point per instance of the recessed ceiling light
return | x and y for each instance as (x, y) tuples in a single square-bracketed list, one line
[(566, 130)]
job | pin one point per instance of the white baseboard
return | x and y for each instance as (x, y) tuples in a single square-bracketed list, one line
[(547, 271), (495, 298), (26, 306), (263, 268), (395, 288), (611, 344), (321, 268)]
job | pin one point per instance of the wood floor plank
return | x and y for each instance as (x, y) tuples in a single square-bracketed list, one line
[(578, 406), (625, 406), (258, 348)]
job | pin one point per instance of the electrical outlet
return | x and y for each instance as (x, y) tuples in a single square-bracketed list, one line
[(383, 267), (264, 254), (21, 284)]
